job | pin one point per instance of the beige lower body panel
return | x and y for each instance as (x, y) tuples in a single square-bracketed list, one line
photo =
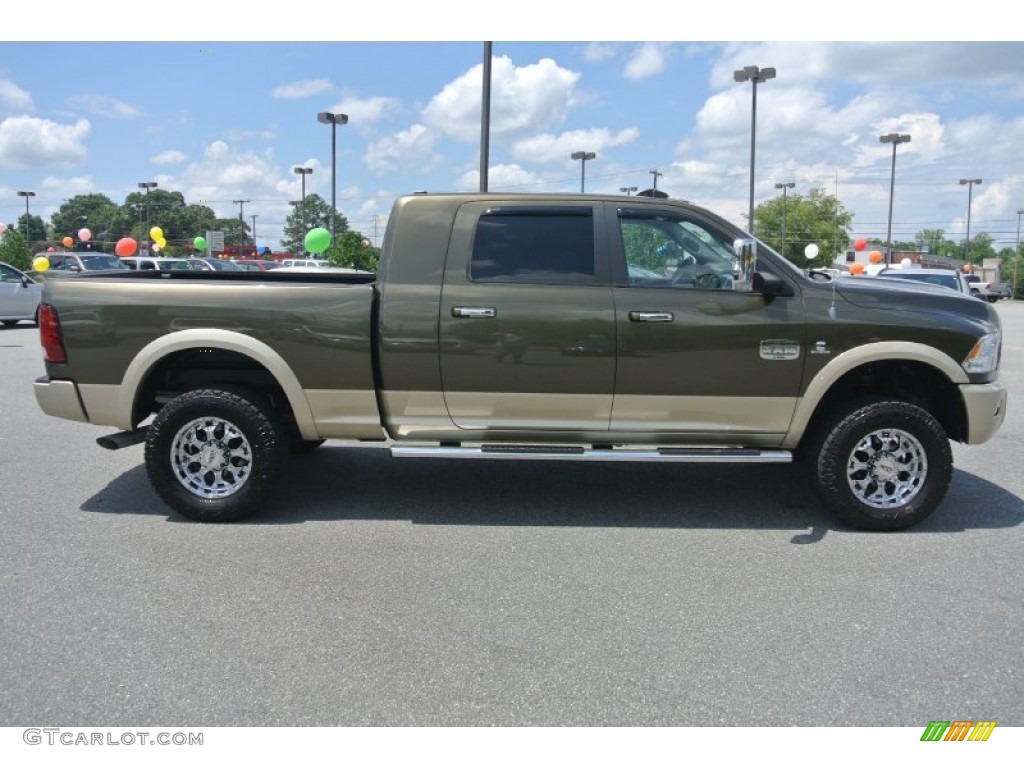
[(59, 398), (986, 409), (637, 413), (345, 414)]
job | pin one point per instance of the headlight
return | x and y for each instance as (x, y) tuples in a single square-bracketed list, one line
[(984, 356)]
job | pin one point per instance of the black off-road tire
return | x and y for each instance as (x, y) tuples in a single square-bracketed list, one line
[(881, 465), (238, 445)]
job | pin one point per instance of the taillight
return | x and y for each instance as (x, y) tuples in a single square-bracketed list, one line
[(50, 336)]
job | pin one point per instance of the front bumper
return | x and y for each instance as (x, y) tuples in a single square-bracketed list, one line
[(986, 409)]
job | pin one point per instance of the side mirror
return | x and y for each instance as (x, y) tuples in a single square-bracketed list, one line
[(768, 284)]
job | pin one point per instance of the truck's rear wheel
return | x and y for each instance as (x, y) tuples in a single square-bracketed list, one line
[(213, 455), (882, 465)]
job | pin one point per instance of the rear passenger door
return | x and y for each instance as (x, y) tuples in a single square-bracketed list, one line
[(527, 323)]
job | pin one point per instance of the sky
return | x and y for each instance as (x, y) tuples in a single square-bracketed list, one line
[(94, 107)]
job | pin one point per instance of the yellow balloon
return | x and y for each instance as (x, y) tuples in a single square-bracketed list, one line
[(40, 263), (161, 242), (156, 233)]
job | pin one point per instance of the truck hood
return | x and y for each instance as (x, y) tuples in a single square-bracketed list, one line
[(896, 295)]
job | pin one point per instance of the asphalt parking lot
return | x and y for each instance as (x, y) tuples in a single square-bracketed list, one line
[(384, 592)]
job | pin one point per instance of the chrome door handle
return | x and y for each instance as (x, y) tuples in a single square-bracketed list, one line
[(640, 316), (475, 313)]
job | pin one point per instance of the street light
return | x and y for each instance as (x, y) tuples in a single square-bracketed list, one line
[(1016, 261), (304, 172), (583, 157), (784, 186), (755, 75), (627, 191), (241, 223), (26, 195), (147, 185), (895, 139), (967, 243), (334, 119)]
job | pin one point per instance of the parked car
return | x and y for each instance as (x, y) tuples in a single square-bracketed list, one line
[(220, 265), (947, 278), (161, 263), (84, 261), (19, 295), (990, 292), (260, 265), (304, 263)]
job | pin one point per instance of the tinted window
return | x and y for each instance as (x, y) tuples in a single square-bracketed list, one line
[(534, 247)]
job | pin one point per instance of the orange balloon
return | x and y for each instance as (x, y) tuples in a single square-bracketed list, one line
[(125, 246), (67, 242), (857, 268), (875, 257), (967, 267)]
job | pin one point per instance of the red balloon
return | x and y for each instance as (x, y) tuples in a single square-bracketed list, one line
[(859, 244), (125, 246)]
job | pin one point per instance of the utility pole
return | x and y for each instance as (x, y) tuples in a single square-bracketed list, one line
[(241, 223), (656, 173)]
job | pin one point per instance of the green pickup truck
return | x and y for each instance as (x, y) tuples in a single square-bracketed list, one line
[(532, 327)]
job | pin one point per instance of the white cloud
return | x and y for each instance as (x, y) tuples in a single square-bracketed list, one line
[(106, 107), (647, 60), (169, 157), (546, 148), (302, 89), (500, 177), (14, 100), (31, 141), (523, 100), (411, 150), (599, 51), (364, 112)]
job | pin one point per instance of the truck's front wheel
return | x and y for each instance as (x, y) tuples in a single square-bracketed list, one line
[(213, 455), (882, 465)]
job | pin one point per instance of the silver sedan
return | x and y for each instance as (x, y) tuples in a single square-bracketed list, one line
[(19, 295)]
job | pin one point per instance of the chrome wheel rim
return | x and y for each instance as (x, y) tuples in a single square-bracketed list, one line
[(211, 457), (887, 468)]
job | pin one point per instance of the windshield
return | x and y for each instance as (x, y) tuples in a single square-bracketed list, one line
[(949, 281), (101, 261)]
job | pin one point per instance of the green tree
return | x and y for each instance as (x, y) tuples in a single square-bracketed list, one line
[(981, 248), (94, 212), (33, 229), (353, 250), (817, 218), (936, 243), (315, 213), (14, 251)]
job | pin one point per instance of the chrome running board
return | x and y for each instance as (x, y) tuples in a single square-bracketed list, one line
[(582, 453)]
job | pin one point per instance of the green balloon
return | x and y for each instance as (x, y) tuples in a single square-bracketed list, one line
[(317, 240), (199, 243)]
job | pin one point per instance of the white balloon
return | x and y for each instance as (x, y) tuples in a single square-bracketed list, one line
[(905, 262), (811, 251)]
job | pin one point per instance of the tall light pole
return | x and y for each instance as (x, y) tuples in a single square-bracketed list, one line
[(485, 117), (895, 139), (967, 243), (304, 172), (254, 232), (755, 75), (627, 191), (784, 186), (26, 195), (334, 119), (1016, 260), (241, 223), (583, 157), (148, 185)]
